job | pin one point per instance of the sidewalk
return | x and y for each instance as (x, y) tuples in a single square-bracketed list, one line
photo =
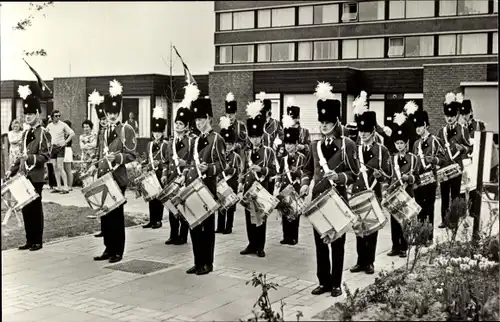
[(63, 283)]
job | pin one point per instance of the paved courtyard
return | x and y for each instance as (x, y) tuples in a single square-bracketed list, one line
[(62, 282)]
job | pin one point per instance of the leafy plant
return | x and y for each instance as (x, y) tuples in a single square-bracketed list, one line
[(417, 234)]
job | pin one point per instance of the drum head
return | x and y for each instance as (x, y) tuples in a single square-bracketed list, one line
[(318, 202)]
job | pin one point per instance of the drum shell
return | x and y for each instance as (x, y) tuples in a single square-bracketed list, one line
[(20, 189), (149, 185), (400, 205), (226, 195), (369, 215), (449, 172), (197, 203), (425, 179), (268, 201), (107, 205), (292, 198)]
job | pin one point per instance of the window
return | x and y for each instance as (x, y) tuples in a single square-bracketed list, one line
[(495, 6), (349, 49), (6, 113), (419, 46), (494, 46), (462, 7), (419, 9), (371, 48), (306, 15), (472, 44), (263, 52), (396, 47), (350, 12), (397, 9), (243, 20), (264, 18), (326, 14), (372, 10), (225, 55), (447, 45), (305, 50), (324, 50), (283, 17), (283, 52), (243, 54), (225, 21)]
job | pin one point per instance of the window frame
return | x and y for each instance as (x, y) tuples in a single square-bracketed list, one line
[(253, 17), (219, 20), (419, 36), (378, 1), (219, 55), (457, 42), (404, 11), (258, 18), (285, 8), (457, 14), (252, 46), (312, 50), (344, 12), (371, 38), (279, 61), (389, 47), (324, 41)]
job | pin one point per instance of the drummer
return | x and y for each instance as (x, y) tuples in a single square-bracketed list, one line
[(339, 151), (375, 167), (454, 138), (157, 153), (36, 143), (207, 161), (405, 170), (238, 128), (258, 164), (116, 150), (230, 174), (179, 152), (304, 136), (430, 153), (272, 127)]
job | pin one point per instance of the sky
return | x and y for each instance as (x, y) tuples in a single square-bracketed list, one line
[(107, 38)]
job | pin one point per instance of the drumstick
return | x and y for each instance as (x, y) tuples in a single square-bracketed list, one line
[(370, 167)]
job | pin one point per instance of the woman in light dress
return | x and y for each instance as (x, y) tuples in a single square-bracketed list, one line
[(88, 144), (15, 141)]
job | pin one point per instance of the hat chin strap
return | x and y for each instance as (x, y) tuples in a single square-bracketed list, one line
[(333, 128)]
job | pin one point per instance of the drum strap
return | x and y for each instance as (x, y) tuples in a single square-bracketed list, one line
[(421, 154), (287, 169), (25, 152), (447, 144), (396, 166), (250, 163), (151, 157), (197, 157), (363, 168)]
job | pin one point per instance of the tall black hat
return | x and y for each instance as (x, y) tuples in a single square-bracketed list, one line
[(31, 98)]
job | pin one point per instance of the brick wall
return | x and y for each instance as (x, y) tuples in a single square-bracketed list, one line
[(239, 83), (71, 100), (441, 79)]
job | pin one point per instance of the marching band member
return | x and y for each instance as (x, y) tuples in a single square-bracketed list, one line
[(35, 149), (454, 138), (239, 128), (230, 174), (272, 128), (382, 134), (332, 158), (375, 167), (157, 153), (291, 163), (208, 161), (116, 150), (179, 153), (259, 164), (431, 155), (467, 117), (304, 136), (405, 169)]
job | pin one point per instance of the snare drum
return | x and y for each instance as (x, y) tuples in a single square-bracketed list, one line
[(329, 215), (134, 170), (226, 195), (448, 172), (17, 192), (290, 203), (425, 179), (87, 180), (400, 205), (369, 215), (148, 185), (170, 191), (196, 203), (103, 195), (260, 203)]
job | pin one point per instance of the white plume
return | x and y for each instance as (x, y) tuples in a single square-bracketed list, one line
[(288, 121), (459, 98), (261, 96), (360, 105), (191, 92), (363, 95), (95, 98), (324, 91), (290, 102), (254, 108), (450, 97), (224, 122), (410, 108), (229, 97), (387, 131), (115, 88), (158, 112), (24, 91), (185, 103), (399, 118)]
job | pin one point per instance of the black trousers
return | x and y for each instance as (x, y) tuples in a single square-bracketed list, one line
[(256, 235), (178, 227), (366, 248), (51, 175), (426, 198), (203, 240), (450, 187), (290, 228), (329, 273), (33, 217), (113, 230), (398, 240), (155, 211), (225, 219)]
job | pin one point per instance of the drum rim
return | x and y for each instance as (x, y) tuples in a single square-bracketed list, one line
[(318, 199)]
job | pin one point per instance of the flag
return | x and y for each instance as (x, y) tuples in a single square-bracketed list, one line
[(42, 84), (187, 74)]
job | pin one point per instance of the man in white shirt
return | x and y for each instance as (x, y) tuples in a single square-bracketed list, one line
[(61, 134)]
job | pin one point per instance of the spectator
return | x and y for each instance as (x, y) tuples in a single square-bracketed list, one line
[(132, 122), (61, 135), (15, 141), (68, 160), (88, 143)]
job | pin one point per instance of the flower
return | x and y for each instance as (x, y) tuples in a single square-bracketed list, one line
[(439, 291)]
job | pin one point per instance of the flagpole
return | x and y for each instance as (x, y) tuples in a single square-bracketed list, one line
[(171, 94)]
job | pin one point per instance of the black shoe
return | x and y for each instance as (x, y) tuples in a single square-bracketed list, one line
[(336, 291), (357, 268), (219, 231), (442, 225), (293, 242), (148, 225), (321, 290), (24, 247), (36, 247), (115, 259), (370, 270), (393, 253), (103, 257), (205, 269), (247, 251), (228, 231), (98, 234), (180, 241), (192, 270), (284, 241), (157, 225), (261, 253), (403, 254), (170, 241)]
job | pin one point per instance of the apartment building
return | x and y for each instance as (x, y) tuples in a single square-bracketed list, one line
[(396, 50)]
